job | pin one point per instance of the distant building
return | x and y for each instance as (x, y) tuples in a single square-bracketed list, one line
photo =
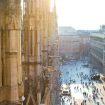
[(70, 46), (73, 45), (102, 28), (67, 31), (84, 44), (97, 50)]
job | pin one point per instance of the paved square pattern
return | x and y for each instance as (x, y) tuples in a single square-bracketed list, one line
[(76, 78)]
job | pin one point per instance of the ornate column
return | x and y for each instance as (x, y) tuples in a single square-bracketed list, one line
[(12, 36), (0, 63), (2, 20), (30, 51), (2, 10)]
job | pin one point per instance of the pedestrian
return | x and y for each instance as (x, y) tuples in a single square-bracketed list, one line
[(87, 95), (98, 103), (89, 99), (81, 81), (104, 88), (71, 103), (97, 90), (90, 96), (94, 97), (73, 98), (89, 80), (101, 98), (85, 101), (87, 86), (74, 102), (77, 87), (100, 90), (83, 85)]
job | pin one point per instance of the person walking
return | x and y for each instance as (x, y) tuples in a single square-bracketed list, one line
[(97, 90)]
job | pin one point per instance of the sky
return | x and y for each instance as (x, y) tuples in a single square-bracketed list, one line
[(81, 14)]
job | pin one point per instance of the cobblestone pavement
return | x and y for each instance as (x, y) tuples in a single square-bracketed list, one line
[(76, 78)]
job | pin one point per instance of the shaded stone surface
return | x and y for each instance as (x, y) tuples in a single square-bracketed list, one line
[(9, 103)]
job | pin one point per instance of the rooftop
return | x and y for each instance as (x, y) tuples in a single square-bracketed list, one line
[(67, 31), (98, 35)]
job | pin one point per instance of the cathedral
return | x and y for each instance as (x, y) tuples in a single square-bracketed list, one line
[(29, 53)]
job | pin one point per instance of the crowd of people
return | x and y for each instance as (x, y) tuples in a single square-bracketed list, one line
[(91, 93)]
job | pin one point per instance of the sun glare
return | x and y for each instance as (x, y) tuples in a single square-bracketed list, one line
[(81, 14), (51, 5)]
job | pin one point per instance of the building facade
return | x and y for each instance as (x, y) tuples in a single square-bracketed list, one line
[(84, 45), (97, 50), (29, 55), (73, 44), (70, 46)]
